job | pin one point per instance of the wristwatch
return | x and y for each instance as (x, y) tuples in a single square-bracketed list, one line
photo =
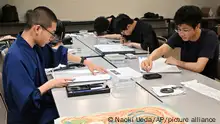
[(82, 60)]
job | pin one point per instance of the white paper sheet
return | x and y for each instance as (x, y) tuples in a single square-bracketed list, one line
[(125, 72), (177, 91), (159, 65), (203, 89), (113, 47), (91, 78)]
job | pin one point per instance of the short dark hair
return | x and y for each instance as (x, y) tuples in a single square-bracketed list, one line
[(60, 30), (190, 15), (122, 21), (101, 25), (39, 16)]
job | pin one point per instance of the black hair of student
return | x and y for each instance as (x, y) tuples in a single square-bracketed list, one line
[(39, 16), (122, 21), (60, 30), (101, 25), (189, 14)]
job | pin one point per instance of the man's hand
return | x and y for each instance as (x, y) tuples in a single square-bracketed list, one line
[(53, 83), (58, 83), (147, 65), (102, 36), (92, 67), (129, 44), (172, 61), (122, 40)]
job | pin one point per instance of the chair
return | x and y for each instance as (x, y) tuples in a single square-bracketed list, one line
[(174, 53), (3, 106), (3, 111), (161, 40)]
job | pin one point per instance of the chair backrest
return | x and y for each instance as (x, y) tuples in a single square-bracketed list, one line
[(2, 56), (1, 85), (175, 53), (161, 40), (3, 111)]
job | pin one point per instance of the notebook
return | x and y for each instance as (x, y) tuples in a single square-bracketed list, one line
[(159, 66)]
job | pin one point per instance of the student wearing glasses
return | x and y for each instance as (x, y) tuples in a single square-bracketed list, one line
[(199, 47), (136, 33), (26, 88)]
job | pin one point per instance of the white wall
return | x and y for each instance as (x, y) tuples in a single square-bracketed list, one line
[(207, 3), (80, 10)]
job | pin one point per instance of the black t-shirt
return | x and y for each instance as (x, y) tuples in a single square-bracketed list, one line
[(112, 29), (206, 46), (144, 34)]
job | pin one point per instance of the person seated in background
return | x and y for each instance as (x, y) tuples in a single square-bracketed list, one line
[(105, 27), (136, 33), (60, 33), (26, 88), (199, 47)]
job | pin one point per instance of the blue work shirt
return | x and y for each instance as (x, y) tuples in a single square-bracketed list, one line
[(23, 72)]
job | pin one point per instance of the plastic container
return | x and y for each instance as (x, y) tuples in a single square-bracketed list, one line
[(123, 87), (116, 58)]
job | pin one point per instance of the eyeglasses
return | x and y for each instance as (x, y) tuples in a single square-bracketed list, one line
[(54, 36), (182, 31)]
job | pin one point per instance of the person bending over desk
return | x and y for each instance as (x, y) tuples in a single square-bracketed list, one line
[(136, 33), (106, 27), (199, 47), (27, 90)]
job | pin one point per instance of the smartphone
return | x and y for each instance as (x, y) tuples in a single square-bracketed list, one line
[(152, 76)]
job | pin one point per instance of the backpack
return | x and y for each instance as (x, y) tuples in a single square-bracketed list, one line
[(152, 15), (9, 13)]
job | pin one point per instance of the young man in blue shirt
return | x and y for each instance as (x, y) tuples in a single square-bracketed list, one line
[(199, 47), (26, 88)]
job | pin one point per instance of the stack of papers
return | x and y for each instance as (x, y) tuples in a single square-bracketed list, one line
[(91, 78), (113, 48), (203, 89), (177, 91), (159, 66), (82, 76)]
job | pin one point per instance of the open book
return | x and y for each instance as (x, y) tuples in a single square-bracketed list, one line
[(159, 66)]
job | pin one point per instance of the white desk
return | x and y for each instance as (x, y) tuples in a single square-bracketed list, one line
[(87, 105), (81, 50), (91, 40), (192, 104)]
